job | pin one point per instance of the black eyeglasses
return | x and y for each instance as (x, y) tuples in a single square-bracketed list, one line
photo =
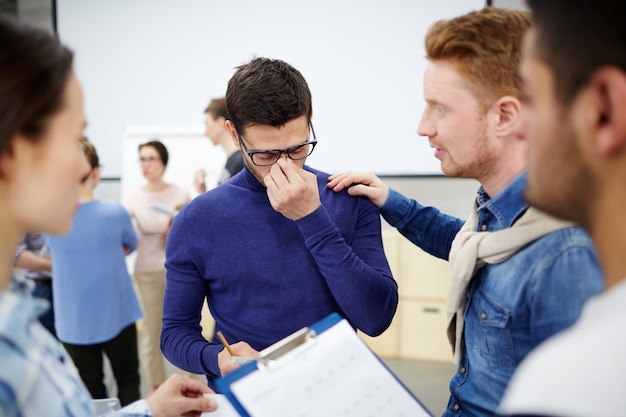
[(271, 156)]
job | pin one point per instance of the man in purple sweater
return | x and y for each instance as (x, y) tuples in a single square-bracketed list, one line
[(273, 249)]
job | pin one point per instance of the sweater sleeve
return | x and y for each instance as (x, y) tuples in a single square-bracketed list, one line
[(182, 342), (357, 274)]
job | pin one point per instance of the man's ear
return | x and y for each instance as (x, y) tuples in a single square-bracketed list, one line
[(608, 89), (509, 117), (233, 133)]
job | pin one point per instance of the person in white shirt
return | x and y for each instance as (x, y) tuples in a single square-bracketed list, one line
[(574, 73)]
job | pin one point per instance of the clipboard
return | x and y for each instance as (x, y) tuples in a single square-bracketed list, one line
[(322, 370)]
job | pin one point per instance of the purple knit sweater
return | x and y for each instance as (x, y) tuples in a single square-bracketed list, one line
[(266, 276)]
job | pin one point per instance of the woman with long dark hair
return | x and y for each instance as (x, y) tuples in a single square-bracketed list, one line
[(41, 167)]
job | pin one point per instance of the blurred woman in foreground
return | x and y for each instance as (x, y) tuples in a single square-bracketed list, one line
[(41, 165)]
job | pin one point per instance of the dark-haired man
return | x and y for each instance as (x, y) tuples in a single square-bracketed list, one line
[(272, 249), (574, 72), (215, 116)]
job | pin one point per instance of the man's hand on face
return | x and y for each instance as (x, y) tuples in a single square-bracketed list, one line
[(292, 191)]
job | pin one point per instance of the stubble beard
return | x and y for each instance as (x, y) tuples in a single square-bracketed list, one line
[(482, 166), (566, 190)]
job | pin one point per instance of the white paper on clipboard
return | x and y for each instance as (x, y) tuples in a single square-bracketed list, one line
[(331, 374), (224, 408)]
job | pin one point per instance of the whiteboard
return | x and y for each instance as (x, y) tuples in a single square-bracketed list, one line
[(159, 62)]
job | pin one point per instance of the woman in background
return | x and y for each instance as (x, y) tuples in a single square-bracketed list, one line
[(152, 207), (33, 258), (41, 165), (96, 307)]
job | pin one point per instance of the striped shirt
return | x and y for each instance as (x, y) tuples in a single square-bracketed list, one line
[(37, 375)]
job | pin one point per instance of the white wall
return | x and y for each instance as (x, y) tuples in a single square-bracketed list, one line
[(158, 62), (451, 195), (510, 4)]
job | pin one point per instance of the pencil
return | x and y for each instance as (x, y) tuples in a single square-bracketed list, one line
[(225, 343)]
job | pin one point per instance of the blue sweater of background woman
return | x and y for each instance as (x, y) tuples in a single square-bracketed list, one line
[(266, 276), (94, 295)]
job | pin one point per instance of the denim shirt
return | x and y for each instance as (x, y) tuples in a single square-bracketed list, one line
[(37, 375), (512, 306)]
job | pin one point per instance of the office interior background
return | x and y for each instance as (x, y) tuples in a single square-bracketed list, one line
[(417, 177), (414, 347)]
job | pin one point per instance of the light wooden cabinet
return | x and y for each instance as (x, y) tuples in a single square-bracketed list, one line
[(418, 329), (422, 275), (422, 330)]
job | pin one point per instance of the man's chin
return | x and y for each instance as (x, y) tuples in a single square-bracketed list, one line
[(533, 199), (547, 204)]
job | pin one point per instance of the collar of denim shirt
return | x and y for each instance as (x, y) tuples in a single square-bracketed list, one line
[(501, 211)]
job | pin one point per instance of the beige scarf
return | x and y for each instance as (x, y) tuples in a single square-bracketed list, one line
[(471, 250)]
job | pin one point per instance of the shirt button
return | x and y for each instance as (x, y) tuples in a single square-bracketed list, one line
[(463, 370), (483, 315), (483, 227), (456, 407)]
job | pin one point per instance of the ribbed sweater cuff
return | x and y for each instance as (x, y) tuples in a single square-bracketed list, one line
[(314, 222)]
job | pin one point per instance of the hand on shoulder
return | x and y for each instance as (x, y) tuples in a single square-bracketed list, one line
[(360, 184)]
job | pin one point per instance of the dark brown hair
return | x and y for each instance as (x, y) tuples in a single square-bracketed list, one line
[(267, 92), (577, 37), (160, 148), (90, 152), (34, 69), (217, 108)]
